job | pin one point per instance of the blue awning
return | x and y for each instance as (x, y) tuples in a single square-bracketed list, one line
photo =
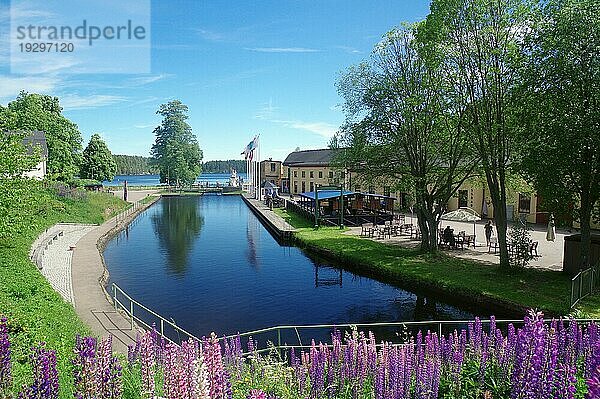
[(326, 194)]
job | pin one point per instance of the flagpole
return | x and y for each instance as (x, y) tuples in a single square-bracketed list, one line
[(258, 190)]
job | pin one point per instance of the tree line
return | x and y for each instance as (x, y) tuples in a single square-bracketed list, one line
[(134, 165), (490, 89), (224, 166)]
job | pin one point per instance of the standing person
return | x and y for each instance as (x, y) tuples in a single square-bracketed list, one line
[(488, 232)]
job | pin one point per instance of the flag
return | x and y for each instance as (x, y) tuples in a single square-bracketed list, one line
[(247, 153)]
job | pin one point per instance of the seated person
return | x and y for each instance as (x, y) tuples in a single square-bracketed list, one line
[(449, 236)]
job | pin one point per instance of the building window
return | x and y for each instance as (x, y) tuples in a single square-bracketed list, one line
[(320, 175), (303, 174), (303, 186), (386, 191), (272, 167), (463, 198), (312, 186), (524, 203), (295, 173), (371, 190), (295, 188), (312, 175), (357, 188), (331, 174)]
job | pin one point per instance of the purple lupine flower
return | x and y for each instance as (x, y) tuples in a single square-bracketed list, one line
[(5, 362), (593, 385), (133, 351), (220, 387), (45, 376), (527, 375), (84, 367), (108, 372), (147, 359), (256, 394), (233, 359), (202, 383)]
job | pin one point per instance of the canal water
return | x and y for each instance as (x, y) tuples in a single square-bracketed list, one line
[(208, 263)]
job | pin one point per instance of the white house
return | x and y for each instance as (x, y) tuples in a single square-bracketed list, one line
[(31, 141)]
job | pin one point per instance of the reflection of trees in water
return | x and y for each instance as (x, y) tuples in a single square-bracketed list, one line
[(177, 226)]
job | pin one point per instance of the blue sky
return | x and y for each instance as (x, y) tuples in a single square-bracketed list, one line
[(243, 68)]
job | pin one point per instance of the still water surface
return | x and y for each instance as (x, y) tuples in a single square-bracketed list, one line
[(208, 263)]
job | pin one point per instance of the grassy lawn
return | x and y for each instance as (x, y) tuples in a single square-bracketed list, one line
[(546, 290), (35, 311)]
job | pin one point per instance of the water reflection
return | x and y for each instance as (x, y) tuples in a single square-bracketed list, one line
[(210, 264), (177, 227), (253, 237)]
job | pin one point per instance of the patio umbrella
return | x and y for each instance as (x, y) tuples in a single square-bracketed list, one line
[(462, 215), (551, 231)]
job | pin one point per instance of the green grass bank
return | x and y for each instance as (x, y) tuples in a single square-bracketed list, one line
[(455, 278), (34, 310)]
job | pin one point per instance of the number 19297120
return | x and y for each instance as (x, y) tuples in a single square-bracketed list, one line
[(62, 47)]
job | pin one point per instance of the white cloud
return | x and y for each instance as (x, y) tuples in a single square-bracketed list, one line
[(143, 80), (74, 101), (348, 49), (11, 86), (211, 36), (283, 49), (267, 111), (324, 129), (23, 65), (142, 126)]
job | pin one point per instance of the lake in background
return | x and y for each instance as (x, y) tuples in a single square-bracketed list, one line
[(209, 264), (154, 180)]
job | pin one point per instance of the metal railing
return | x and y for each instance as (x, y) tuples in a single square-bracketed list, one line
[(145, 317), (583, 284), (294, 336), (137, 205)]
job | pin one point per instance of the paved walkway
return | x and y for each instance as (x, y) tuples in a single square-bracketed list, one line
[(77, 275), (551, 251), (55, 260), (277, 222)]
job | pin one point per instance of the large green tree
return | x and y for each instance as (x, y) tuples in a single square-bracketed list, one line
[(98, 162), (29, 112), (176, 152), (480, 43), (561, 104), (15, 159), (401, 125)]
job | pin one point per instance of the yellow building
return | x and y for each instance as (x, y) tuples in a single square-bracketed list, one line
[(310, 168), (306, 169), (271, 171), (475, 195)]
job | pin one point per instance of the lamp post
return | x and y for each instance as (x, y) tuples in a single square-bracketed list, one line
[(316, 207), (342, 206)]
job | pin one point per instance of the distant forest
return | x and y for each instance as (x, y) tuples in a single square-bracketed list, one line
[(138, 165), (134, 165), (224, 166)]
